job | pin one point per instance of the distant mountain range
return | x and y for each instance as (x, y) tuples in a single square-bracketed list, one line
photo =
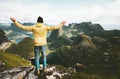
[(15, 34), (85, 43)]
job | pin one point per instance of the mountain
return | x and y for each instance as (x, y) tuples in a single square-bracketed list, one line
[(89, 45), (3, 37), (93, 51), (90, 29), (15, 36), (86, 26), (4, 26), (14, 33), (59, 42), (82, 47), (83, 28), (73, 29), (55, 34), (23, 48), (14, 28), (99, 55)]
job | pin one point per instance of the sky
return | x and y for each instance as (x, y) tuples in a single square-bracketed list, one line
[(104, 12)]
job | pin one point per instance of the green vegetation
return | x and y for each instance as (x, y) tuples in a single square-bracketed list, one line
[(23, 48), (59, 42), (84, 43), (100, 56), (11, 60)]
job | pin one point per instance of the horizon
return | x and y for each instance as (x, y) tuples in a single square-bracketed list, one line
[(104, 12), (107, 27)]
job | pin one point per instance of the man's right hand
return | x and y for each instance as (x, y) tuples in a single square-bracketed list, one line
[(63, 22), (13, 19)]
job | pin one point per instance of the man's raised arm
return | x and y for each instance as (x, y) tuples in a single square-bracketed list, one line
[(28, 28), (56, 27)]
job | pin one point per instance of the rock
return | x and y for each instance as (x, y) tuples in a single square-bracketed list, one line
[(79, 67), (4, 46), (15, 73), (7, 76), (53, 72)]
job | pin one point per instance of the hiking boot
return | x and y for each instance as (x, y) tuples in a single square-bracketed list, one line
[(44, 71), (37, 72)]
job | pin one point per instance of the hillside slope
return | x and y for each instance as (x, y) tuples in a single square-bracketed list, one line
[(8, 60)]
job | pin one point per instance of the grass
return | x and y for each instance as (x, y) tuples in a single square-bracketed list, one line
[(12, 60)]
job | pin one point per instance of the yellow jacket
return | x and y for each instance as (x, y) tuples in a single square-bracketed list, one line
[(39, 32)]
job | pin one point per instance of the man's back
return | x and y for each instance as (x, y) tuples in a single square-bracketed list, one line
[(40, 34)]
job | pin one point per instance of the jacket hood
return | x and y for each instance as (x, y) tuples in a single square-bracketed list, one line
[(39, 24)]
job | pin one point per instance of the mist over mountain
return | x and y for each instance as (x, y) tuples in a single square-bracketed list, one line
[(73, 29), (14, 33)]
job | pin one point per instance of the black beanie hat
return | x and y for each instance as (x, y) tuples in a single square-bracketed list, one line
[(40, 19)]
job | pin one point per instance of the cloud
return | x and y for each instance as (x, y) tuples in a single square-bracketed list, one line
[(28, 12), (111, 14), (21, 10), (108, 15)]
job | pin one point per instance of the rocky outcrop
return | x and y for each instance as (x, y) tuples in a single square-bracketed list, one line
[(53, 72), (16, 73), (87, 28), (4, 46)]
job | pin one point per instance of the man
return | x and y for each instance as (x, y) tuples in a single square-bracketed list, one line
[(40, 39)]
